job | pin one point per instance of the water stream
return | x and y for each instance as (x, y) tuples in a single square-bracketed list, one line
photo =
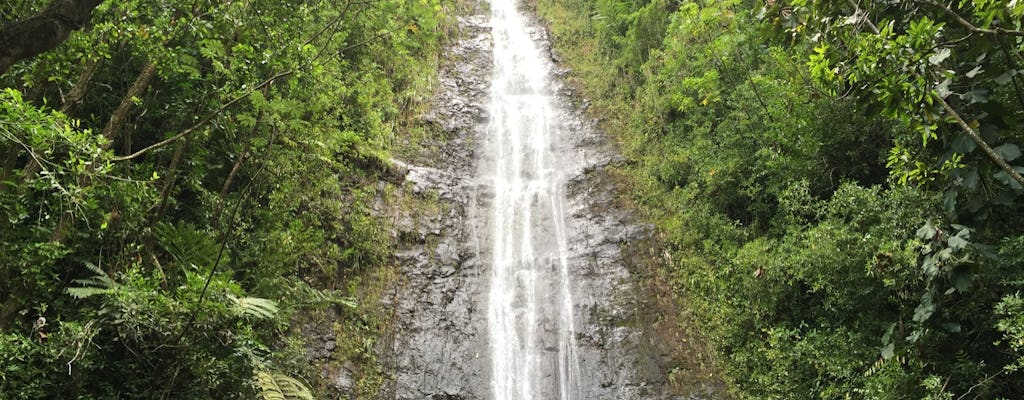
[(514, 244), (530, 307)]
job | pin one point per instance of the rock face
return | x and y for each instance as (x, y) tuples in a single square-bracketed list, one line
[(440, 349)]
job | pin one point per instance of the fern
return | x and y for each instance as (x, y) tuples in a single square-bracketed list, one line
[(254, 307), (187, 245), (278, 386), (93, 285), (310, 295)]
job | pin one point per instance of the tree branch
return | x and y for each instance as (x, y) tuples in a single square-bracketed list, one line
[(135, 90), (967, 24), (44, 31), (991, 153), (203, 121)]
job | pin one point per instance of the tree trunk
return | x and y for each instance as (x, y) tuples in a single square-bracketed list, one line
[(121, 113), (82, 86), (110, 132), (172, 176), (44, 31), (215, 219), (72, 100)]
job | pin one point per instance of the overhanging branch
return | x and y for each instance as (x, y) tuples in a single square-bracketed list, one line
[(44, 31)]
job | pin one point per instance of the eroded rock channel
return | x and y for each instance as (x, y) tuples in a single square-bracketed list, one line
[(444, 347)]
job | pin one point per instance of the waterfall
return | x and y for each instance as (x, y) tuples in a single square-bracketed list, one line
[(530, 307)]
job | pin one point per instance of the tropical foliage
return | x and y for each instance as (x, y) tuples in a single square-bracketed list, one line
[(180, 178), (837, 182)]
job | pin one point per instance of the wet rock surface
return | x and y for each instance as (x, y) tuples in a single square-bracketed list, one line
[(440, 349)]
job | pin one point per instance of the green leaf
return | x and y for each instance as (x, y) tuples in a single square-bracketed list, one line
[(942, 89), (100, 283), (975, 96), (970, 178), (888, 351), (962, 278), (940, 56), (83, 292), (963, 144), (278, 386), (972, 73), (925, 309), (1008, 152), (926, 232), (958, 243), (255, 307), (1004, 78), (1005, 178), (949, 201)]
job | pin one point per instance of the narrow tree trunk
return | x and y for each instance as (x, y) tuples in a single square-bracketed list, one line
[(227, 183), (238, 165), (172, 176), (120, 114), (115, 123), (78, 92)]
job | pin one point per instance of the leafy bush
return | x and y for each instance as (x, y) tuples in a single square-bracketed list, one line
[(827, 250)]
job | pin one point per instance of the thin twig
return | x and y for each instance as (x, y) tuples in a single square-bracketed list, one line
[(976, 385)]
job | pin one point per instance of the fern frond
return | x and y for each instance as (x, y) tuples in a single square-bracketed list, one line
[(93, 285), (254, 307), (269, 389), (325, 297), (187, 245), (95, 269), (101, 281), (278, 386), (292, 388), (83, 292)]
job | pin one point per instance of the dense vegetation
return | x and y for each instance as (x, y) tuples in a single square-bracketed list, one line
[(181, 179), (838, 182)]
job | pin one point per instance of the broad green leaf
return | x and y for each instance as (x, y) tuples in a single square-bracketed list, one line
[(957, 243), (963, 144), (888, 351), (926, 232), (962, 278), (972, 73), (925, 309), (1008, 152), (970, 178), (939, 56), (1004, 78)]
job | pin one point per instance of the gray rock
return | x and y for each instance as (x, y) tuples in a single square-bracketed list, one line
[(440, 349)]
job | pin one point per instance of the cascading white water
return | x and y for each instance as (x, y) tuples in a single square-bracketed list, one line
[(530, 308)]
